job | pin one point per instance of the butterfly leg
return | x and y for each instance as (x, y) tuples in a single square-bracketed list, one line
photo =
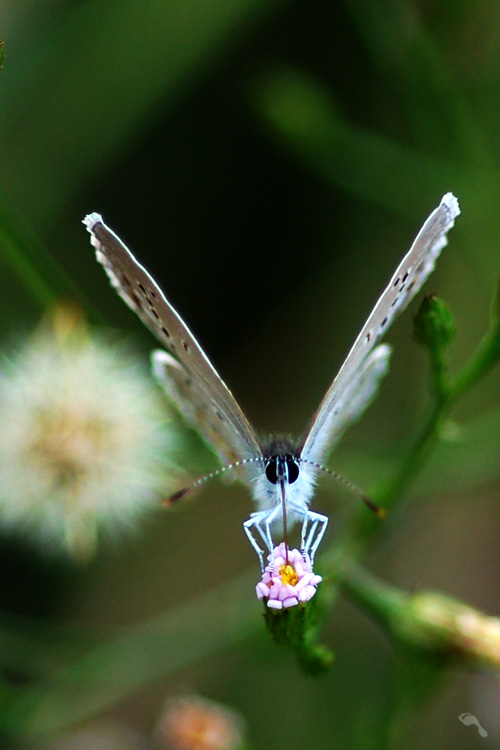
[(313, 528), (260, 522)]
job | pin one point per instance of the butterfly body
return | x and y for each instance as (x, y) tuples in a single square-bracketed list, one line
[(283, 464), (283, 487), (280, 475)]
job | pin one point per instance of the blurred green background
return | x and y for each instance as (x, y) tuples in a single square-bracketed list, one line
[(269, 162)]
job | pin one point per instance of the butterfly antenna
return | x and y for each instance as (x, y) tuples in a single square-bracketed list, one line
[(201, 480), (380, 512)]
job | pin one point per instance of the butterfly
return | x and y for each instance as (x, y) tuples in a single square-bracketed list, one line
[(280, 474)]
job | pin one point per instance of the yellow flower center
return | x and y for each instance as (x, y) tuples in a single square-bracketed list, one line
[(288, 574)]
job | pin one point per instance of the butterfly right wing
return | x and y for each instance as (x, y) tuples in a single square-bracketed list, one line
[(359, 392), (143, 295), (407, 280)]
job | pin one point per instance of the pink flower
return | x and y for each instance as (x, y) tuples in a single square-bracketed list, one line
[(288, 579)]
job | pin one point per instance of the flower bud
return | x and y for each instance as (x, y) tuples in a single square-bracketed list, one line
[(434, 326), (440, 623)]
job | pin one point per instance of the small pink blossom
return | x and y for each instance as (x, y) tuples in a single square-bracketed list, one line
[(288, 579)]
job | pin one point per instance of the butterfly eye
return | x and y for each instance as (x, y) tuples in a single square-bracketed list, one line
[(293, 469), (285, 466), (272, 470)]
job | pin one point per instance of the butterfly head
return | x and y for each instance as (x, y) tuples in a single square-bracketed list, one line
[(283, 478), (282, 468)]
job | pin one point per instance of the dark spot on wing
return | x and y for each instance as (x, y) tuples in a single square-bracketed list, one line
[(164, 330), (368, 335), (406, 276), (397, 281), (185, 346), (384, 322), (135, 299), (150, 295)]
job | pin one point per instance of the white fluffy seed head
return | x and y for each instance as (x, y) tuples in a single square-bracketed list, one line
[(83, 441)]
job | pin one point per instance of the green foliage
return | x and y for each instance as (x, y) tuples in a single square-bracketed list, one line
[(251, 140)]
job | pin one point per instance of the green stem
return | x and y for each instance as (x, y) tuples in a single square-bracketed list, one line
[(387, 492), (486, 356), (377, 597), (417, 672)]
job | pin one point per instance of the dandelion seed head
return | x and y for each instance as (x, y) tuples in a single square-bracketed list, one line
[(83, 444)]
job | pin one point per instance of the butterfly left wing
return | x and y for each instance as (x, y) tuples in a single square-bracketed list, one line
[(191, 403), (407, 280), (143, 295)]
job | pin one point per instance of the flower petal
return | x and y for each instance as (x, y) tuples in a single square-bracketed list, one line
[(275, 604)]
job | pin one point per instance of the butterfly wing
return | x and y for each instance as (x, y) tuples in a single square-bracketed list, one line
[(359, 392), (195, 378), (407, 280), (191, 403)]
